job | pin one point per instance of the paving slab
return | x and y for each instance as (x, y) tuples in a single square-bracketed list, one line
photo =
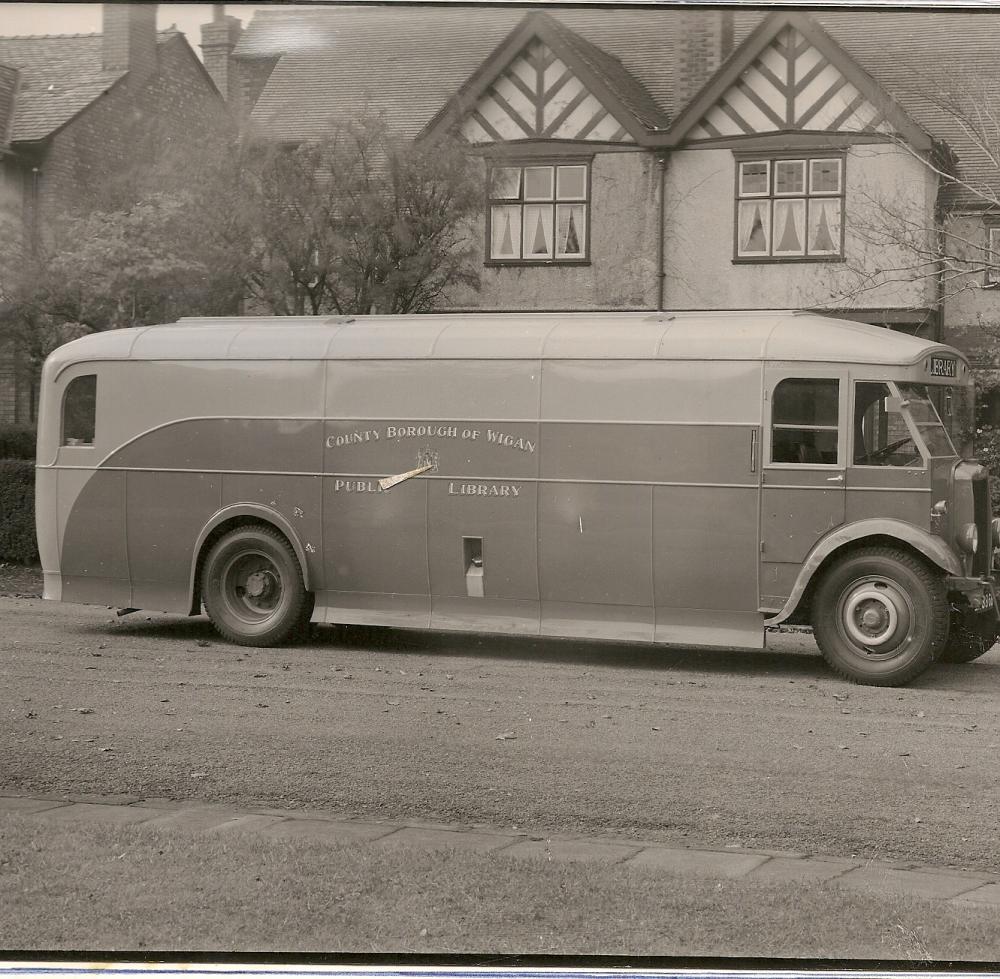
[(191, 820), (250, 823), (577, 851), (328, 830), (915, 883), (441, 838), (91, 812), (803, 870), (987, 894), (704, 863), (19, 804)]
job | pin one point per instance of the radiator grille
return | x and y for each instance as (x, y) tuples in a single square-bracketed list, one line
[(983, 559)]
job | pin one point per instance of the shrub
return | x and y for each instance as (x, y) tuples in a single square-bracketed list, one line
[(17, 442), (17, 507)]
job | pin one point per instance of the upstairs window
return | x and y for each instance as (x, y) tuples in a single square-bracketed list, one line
[(993, 256), (80, 411), (539, 213), (805, 421), (790, 210)]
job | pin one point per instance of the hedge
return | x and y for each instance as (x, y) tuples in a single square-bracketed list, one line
[(17, 442), (17, 511)]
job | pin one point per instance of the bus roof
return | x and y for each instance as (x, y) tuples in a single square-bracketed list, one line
[(731, 335)]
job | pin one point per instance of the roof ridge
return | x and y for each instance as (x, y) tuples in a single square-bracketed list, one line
[(45, 37)]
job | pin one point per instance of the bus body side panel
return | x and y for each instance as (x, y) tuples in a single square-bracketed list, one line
[(93, 555), (181, 474), (194, 437), (165, 513), (649, 502), (455, 546)]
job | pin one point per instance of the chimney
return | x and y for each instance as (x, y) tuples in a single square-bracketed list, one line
[(218, 39), (703, 40), (129, 39)]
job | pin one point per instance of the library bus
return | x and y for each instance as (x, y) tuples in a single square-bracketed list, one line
[(688, 479)]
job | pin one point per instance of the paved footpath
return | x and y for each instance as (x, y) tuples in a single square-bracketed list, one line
[(880, 877)]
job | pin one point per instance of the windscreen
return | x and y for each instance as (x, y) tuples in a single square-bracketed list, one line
[(892, 423)]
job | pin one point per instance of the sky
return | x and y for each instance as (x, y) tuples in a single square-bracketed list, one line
[(85, 18)]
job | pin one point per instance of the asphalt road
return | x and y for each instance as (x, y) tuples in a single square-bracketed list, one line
[(699, 747)]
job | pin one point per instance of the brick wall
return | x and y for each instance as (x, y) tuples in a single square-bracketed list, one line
[(704, 39), (102, 154), (128, 38)]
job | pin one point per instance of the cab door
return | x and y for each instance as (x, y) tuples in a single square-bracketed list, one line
[(803, 470)]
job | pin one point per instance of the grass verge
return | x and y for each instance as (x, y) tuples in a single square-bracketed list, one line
[(138, 888), (20, 581)]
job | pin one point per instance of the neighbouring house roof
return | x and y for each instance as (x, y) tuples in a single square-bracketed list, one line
[(410, 61), (59, 76), (8, 88)]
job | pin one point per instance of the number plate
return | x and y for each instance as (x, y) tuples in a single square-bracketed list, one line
[(944, 367)]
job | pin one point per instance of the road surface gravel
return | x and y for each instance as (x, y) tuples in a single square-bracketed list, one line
[(707, 748)]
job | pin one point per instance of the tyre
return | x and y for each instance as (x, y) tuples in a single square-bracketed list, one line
[(964, 645), (881, 616), (252, 587)]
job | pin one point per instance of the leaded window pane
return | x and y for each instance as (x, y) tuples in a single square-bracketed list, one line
[(506, 183), (789, 227), (537, 231), (789, 177), (538, 183), (755, 178), (824, 227), (571, 184), (754, 227), (571, 230), (505, 231), (824, 176)]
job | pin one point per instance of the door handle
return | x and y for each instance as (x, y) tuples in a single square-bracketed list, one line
[(835, 479)]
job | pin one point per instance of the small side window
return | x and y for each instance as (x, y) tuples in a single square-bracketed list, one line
[(80, 411), (805, 421)]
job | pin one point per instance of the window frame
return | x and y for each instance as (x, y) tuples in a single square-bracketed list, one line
[(771, 160), (991, 272), (840, 464), (64, 404), (524, 163)]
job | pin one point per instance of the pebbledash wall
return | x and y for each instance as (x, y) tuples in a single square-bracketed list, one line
[(621, 272), (701, 271)]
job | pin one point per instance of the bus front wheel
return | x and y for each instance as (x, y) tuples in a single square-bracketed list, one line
[(880, 616), (252, 587)]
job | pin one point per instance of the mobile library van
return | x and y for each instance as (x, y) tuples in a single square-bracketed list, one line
[(687, 479)]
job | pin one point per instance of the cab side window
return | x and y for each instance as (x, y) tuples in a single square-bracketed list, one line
[(80, 411), (805, 421)]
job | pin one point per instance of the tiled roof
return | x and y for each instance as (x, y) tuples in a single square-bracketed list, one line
[(410, 61), (60, 75), (8, 86)]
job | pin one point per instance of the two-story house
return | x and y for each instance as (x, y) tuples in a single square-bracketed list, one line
[(78, 114), (671, 157)]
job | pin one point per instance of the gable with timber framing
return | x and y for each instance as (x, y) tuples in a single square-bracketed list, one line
[(546, 82), (790, 76), (540, 97)]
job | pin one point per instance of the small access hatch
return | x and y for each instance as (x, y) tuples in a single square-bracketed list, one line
[(472, 550)]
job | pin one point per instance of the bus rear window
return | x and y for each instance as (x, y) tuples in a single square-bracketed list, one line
[(79, 411)]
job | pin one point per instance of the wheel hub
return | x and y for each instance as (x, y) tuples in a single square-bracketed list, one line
[(259, 584), (874, 616)]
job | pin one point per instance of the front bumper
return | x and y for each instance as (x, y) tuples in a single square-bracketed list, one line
[(974, 601)]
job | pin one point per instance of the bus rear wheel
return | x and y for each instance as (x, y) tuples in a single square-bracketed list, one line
[(252, 587), (881, 616)]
